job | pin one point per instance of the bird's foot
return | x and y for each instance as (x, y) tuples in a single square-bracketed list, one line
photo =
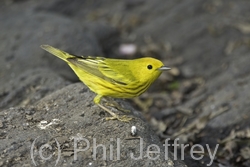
[(123, 118)]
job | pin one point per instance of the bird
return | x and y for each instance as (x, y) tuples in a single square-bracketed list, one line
[(109, 77)]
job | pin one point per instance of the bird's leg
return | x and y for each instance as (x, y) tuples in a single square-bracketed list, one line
[(113, 103), (123, 118)]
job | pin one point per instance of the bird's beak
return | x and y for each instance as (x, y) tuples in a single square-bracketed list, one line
[(164, 68)]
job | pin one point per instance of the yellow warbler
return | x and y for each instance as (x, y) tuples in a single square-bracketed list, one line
[(117, 78)]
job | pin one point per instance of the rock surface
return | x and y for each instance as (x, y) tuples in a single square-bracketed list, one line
[(69, 118)]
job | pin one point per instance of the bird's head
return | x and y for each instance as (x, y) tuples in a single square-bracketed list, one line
[(149, 69)]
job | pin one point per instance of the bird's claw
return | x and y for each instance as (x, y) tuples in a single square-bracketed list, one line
[(123, 118)]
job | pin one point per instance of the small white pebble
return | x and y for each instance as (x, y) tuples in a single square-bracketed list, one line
[(44, 124), (133, 130)]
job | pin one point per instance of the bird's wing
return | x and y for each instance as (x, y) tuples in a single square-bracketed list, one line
[(98, 67), (118, 70)]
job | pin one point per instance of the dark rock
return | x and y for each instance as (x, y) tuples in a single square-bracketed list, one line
[(56, 120)]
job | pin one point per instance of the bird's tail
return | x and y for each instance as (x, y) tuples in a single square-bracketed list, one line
[(57, 52)]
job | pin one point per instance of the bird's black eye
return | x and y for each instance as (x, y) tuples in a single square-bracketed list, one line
[(150, 67)]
